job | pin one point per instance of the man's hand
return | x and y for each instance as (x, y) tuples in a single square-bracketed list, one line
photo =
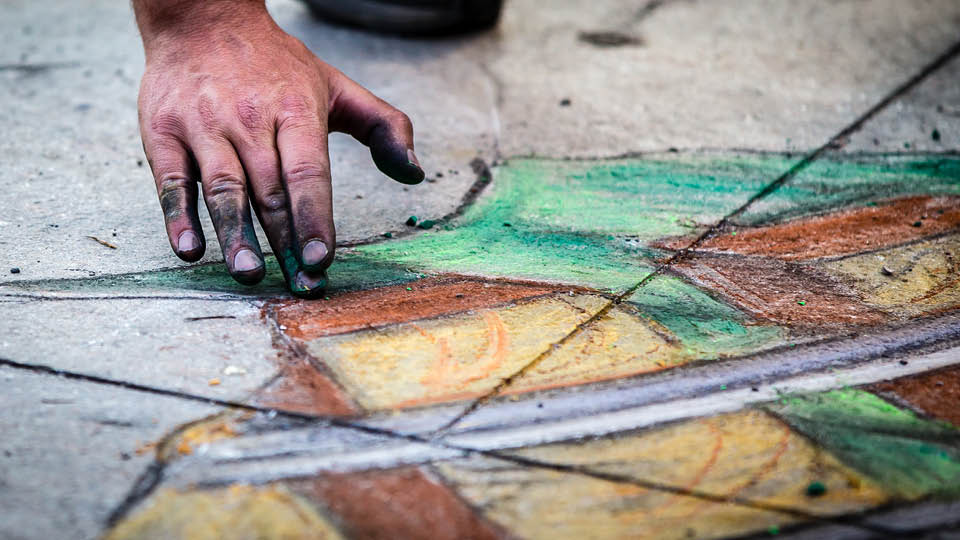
[(230, 100)]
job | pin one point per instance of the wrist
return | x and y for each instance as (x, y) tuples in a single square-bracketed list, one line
[(183, 21)]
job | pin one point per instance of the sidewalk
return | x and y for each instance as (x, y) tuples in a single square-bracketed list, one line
[(684, 270)]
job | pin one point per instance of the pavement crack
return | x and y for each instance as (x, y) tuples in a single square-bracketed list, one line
[(145, 484), (37, 68)]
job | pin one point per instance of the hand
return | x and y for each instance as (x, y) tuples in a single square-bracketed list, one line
[(230, 100)]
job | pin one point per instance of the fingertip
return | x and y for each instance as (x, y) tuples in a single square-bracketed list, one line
[(315, 256), (190, 247), (247, 267), (399, 164), (308, 285)]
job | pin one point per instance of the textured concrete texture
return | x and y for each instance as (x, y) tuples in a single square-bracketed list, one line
[(71, 451), (215, 349), (925, 120), (727, 74), (657, 313)]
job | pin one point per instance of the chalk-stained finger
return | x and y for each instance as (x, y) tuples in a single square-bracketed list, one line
[(175, 176), (225, 194)]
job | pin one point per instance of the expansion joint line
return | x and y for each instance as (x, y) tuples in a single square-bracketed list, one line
[(835, 142)]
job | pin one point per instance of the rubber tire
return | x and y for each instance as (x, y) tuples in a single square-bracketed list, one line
[(423, 17)]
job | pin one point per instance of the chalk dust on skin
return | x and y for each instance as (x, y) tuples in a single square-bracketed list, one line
[(424, 299), (395, 503), (789, 294), (840, 233), (935, 393)]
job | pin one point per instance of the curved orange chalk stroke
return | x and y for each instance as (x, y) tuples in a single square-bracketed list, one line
[(497, 348), (658, 510), (443, 365), (702, 473), (445, 374), (767, 467)]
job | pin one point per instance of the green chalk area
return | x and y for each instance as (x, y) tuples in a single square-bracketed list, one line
[(583, 222), (350, 272), (909, 456), (704, 325), (833, 183)]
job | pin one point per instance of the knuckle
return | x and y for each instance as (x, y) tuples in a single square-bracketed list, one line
[(167, 124), (296, 110), (210, 117), (169, 182), (401, 119), (306, 173), (249, 114), (272, 198), (224, 182)]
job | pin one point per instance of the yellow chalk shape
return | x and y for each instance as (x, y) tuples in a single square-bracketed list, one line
[(201, 433), (618, 345), (238, 512), (453, 358), (747, 455), (919, 278)]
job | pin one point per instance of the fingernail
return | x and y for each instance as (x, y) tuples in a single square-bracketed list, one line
[(412, 158), (188, 241), (308, 283), (313, 253), (245, 260)]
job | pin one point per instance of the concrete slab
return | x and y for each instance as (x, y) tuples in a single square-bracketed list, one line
[(725, 74), (177, 345), (71, 451), (925, 120)]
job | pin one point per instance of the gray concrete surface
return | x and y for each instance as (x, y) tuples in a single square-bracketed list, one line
[(708, 74), (145, 341), (68, 454), (909, 124)]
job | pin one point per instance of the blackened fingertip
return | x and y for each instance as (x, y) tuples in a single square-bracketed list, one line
[(307, 285), (398, 163), (251, 277), (248, 268), (314, 254), (412, 158), (189, 246)]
